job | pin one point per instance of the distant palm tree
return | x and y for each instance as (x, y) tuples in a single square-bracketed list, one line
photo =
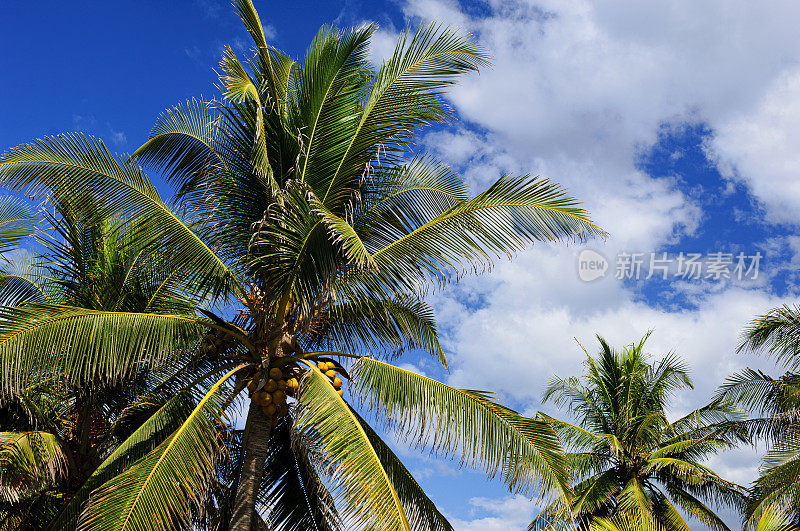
[(627, 456), (303, 216), (776, 401)]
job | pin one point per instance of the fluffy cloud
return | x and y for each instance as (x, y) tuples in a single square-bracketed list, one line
[(513, 512)]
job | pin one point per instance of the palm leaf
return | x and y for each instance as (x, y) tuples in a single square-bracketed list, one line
[(360, 481), (467, 424), (81, 346), (158, 491), (80, 171)]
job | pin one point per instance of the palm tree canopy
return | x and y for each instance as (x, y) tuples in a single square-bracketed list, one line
[(626, 455), (775, 407)]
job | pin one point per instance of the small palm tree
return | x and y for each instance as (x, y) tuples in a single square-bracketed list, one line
[(776, 403), (308, 232), (626, 455)]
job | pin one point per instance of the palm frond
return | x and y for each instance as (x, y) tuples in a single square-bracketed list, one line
[(79, 170), (81, 346), (158, 491), (361, 485), (17, 222), (466, 424)]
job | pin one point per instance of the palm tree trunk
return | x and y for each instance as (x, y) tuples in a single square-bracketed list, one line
[(257, 433)]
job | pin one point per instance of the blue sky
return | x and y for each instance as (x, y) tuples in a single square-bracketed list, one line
[(676, 124)]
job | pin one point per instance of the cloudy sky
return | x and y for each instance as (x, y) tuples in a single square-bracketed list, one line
[(676, 123)]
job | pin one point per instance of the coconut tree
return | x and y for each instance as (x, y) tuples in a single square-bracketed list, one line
[(626, 455), (308, 231), (776, 406), (57, 437)]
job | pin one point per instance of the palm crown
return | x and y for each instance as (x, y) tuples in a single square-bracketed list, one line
[(628, 458), (303, 215), (776, 405)]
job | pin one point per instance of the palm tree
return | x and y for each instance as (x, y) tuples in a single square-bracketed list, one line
[(309, 232), (627, 457), (58, 439), (776, 404)]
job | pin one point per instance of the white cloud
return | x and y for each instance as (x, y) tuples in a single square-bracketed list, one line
[(513, 512), (762, 147)]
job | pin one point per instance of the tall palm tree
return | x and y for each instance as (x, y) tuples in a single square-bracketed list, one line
[(309, 232), (776, 404), (627, 457)]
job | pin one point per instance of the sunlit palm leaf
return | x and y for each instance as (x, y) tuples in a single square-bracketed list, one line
[(466, 424), (80, 171), (17, 222), (361, 485), (158, 491), (29, 462), (81, 345)]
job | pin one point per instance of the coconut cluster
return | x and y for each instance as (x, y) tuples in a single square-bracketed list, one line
[(271, 393), (328, 369)]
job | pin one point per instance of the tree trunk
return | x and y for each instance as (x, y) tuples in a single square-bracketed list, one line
[(258, 428)]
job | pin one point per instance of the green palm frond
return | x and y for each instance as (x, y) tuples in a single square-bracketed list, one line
[(361, 485), (184, 145), (511, 214), (81, 345), (158, 491), (30, 461), (776, 518), (778, 333), (421, 511), (332, 81), (404, 96), (467, 424), (292, 495), (157, 427), (79, 170), (375, 326), (17, 222)]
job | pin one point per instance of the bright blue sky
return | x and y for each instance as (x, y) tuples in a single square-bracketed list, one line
[(677, 125)]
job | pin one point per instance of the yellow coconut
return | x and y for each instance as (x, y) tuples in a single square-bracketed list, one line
[(262, 398), (337, 383), (323, 366), (330, 374), (293, 383), (340, 392)]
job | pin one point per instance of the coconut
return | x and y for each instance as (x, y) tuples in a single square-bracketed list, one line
[(262, 398), (282, 385), (323, 366), (269, 410), (330, 374), (279, 397), (337, 383), (271, 385), (275, 373), (340, 392), (293, 383)]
